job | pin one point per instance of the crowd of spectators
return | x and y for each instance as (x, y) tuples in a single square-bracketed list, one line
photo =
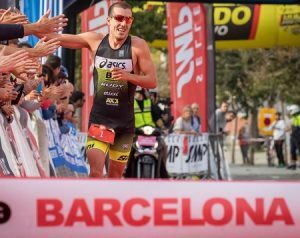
[(42, 90)]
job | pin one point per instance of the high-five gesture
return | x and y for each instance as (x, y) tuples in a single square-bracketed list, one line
[(48, 25)]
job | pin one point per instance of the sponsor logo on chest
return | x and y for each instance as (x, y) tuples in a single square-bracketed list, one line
[(106, 63)]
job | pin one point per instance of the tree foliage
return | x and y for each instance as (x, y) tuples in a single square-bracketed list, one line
[(148, 21), (258, 76)]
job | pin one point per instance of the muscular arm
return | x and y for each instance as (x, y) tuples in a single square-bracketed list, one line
[(147, 77), (88, 40)]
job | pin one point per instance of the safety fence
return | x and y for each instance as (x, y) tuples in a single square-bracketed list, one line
[(33, 147), (199, 155)]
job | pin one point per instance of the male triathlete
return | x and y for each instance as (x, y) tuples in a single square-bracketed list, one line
[(120, 63)]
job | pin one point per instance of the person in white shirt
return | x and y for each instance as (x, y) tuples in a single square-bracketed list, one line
[(279, 130), (183, 124)]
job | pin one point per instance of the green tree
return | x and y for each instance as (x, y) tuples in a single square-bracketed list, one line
[(258, 76), (148, 21)]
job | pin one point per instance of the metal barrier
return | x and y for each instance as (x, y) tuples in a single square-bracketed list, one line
[(198, 155)]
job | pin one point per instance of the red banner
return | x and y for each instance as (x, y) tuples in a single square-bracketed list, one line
[(187, 57), (92, 19)]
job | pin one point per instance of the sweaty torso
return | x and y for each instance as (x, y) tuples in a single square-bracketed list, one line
[(113, 101)]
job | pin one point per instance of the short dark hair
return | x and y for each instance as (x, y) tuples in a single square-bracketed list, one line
[(123, 5), (278, 114), (76, 95), (53, 61), (232, 112), (46, 70)]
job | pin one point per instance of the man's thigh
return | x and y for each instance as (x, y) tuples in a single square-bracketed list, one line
[(121, 148)]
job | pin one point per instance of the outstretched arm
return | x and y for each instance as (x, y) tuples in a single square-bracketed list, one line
[(88, 40), (17, 25), (83, 40)]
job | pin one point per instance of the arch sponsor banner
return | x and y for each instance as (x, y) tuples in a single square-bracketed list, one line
[(134, 209), (92, 19), (256, 26), (187, 57)]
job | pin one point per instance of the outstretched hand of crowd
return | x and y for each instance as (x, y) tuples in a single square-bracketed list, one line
[(52, 25), (44, 48), (11, 62), (9, 17)]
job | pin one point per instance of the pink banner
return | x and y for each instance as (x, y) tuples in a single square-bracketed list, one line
[(133, 209), (187, 57), (92, 19)]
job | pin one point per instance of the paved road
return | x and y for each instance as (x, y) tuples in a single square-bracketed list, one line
[(263, 172), (260, 171)]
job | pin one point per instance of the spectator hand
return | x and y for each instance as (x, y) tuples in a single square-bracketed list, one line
[(24, 69), (43, 48), (9, 17), (11, 62), (7, 110), (51, 25), (30, 85), (31, 96)]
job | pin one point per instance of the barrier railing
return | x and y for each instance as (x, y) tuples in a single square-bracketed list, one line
[(33, 147), (196, 155)]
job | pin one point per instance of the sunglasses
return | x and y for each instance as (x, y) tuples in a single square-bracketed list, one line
[(121, 18)]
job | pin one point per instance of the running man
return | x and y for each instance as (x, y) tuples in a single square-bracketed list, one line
[(120, 63)]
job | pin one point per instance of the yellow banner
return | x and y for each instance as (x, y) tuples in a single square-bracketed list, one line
[(256, 26), (266, 116), (253, 26)]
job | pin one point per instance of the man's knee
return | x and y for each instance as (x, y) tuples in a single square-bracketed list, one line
[(96, 160)]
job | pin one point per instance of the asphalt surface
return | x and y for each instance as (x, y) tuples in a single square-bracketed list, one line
[(259, 171)]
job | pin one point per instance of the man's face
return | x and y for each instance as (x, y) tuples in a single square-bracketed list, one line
[(224, 107), (187, 113), (195, 110), (81, 102), (120, 23)]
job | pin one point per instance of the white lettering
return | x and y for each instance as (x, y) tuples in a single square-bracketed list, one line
[(199, 61), (101, 7), (185, 54)]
